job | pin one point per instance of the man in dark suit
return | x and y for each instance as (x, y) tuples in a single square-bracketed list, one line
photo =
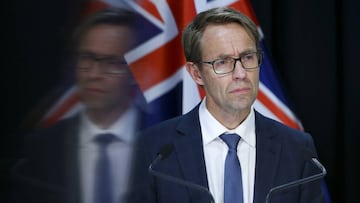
[(223, 56), (61, 163)]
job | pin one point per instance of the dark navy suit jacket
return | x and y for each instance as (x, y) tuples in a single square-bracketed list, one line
[(49, 172), (279, 159)]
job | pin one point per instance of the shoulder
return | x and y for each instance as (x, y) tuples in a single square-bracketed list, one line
[(51, 135), (178, 123), (162, 129), (170, 129), (293, 142), (58, 127), (274, 129)]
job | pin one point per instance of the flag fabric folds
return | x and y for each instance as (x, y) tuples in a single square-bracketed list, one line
[(158, 63)]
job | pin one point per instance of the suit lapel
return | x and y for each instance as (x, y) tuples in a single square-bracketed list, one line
[(267, 158), (192, 163), (189, 151), (71, 154)]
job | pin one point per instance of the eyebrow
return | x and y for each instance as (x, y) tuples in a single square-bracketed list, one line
[(247, 51), (101, 56)]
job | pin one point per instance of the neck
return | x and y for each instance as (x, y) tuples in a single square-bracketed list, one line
[(104, 118), (231, 119)]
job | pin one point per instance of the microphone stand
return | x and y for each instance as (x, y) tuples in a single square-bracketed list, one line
[(177, 180), (299, 182)]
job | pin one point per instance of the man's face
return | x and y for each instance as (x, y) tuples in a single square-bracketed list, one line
[(103, 77), (235, 92)]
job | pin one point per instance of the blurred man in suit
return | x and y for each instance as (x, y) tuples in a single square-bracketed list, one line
[(86, 158)]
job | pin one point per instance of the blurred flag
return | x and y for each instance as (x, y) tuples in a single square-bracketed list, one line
[(158, 63)]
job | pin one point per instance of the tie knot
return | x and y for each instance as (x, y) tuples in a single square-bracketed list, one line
[(104, 139), (231, 140)]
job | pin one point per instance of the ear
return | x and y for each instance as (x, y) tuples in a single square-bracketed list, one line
[(194, 72)]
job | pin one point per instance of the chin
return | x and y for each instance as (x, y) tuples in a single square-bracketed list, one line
[(94, 105)]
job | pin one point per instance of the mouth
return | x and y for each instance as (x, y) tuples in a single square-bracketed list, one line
[(242, 90), (94, 90)]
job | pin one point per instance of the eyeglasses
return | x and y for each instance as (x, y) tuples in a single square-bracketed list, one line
[(108, 64), (249, 61)]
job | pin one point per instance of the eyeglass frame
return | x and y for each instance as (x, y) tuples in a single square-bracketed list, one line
[(102, 60), (258, 53)]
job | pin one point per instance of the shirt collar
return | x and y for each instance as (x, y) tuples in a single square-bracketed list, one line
[(212, 128), (124, 128)]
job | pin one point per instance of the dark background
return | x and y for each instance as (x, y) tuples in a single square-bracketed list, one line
[(314, 45)]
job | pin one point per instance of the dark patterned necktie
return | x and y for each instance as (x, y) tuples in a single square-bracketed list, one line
[(233, 189), (103, 186)]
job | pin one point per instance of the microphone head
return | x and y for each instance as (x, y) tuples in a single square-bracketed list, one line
[(166, 150)]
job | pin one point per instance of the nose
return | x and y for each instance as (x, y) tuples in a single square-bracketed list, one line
[(94, 69), (239, 71)]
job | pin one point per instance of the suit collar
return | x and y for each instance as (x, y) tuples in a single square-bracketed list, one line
[(267, 157), (71, 154), (191, 158)]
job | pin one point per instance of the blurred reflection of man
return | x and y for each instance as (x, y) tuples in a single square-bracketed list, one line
[(62, 162)]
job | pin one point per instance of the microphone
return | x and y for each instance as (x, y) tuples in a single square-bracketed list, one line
[(308, 157), (164, 152)]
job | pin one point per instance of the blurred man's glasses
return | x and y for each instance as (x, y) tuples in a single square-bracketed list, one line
[(110, 65), (249, 61)]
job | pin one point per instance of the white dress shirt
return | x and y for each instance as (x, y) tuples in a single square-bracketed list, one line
[(119, 153), (215, 151)]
